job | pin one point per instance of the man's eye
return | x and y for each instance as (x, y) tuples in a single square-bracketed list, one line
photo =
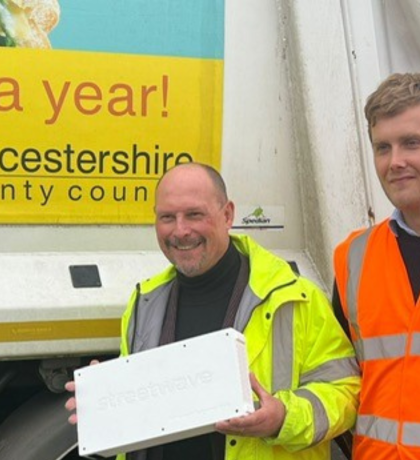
[(165, 218), (381, 148), (195, 215), (412, 143)]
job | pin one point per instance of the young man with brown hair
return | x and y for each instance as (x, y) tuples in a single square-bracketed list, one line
[(378, 282)]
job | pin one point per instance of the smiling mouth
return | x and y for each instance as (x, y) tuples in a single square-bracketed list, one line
[(187, 247), (397, 180), (184, 246)]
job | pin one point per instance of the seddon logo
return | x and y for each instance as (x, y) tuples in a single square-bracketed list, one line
[(256, 217), (155, 390)]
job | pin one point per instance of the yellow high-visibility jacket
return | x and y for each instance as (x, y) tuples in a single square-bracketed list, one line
[(296, 349)]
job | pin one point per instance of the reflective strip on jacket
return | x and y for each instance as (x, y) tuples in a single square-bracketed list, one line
[(377, 299), (295, 347)]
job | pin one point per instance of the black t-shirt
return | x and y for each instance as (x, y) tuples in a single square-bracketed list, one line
[(202, 305)]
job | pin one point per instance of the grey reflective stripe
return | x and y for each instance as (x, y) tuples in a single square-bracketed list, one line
[(147, 318), (283, 368), (358, 346), (386, 430), (249, 302), (283, 348), (388, 346), (384, 347), (321, 423), (131, 327), (335, 369), (378, 428), (355, 259), (415, 345), (411, 434)]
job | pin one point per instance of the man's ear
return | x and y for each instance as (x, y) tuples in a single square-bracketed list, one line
[(229, 213)]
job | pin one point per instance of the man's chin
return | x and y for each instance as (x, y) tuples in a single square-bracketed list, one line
[(188, 270)]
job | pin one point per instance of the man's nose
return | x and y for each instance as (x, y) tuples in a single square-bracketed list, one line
[(182, 226), (398, 158)]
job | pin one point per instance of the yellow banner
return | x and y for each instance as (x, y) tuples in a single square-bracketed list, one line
[(85, 136)]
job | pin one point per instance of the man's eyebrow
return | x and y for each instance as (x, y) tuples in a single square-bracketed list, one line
[(409, 136), (186, 210)]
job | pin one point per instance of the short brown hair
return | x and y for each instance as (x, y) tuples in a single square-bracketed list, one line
[(395, 94)]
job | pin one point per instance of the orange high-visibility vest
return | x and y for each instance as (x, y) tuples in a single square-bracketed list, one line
[(384, 319)]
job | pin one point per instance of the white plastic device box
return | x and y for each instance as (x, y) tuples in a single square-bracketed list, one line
[(161, 395)]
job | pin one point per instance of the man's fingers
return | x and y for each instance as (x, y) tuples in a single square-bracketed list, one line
[(70, 404), (72, 419), (70, 386), (257, 388)]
